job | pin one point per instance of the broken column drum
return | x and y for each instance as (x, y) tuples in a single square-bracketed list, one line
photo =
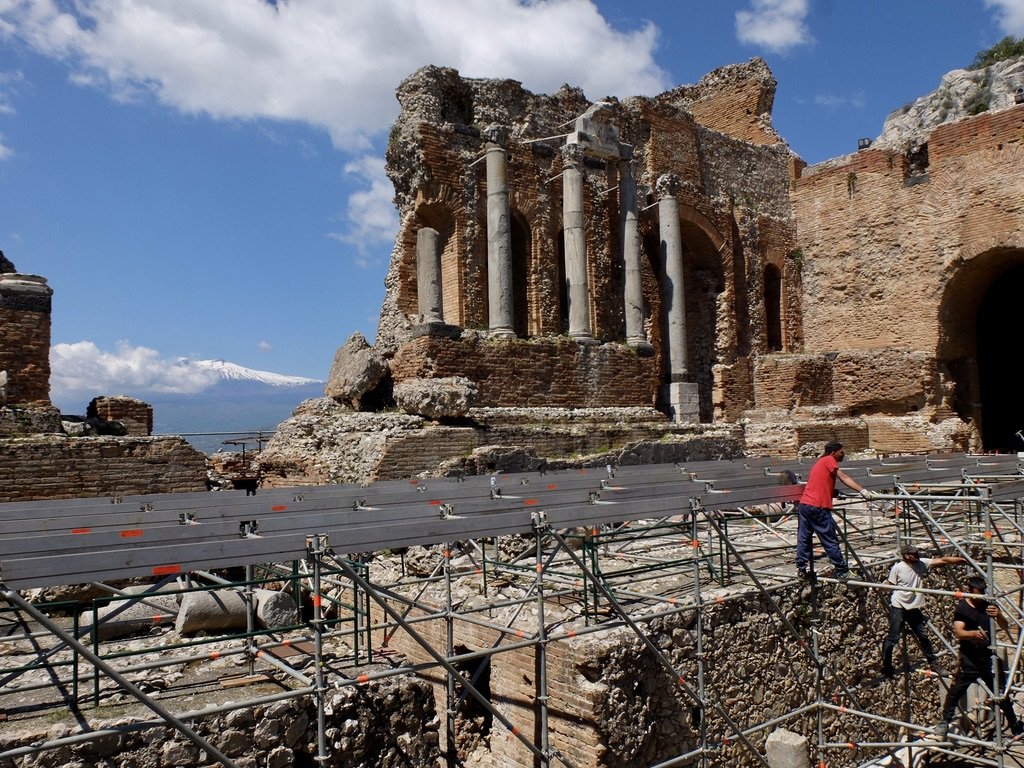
[(577, 283), (499, 242)]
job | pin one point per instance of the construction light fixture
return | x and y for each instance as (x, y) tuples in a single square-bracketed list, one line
[(863, 144)]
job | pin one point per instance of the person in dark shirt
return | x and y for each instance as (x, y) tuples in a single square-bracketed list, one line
[(971, 619)]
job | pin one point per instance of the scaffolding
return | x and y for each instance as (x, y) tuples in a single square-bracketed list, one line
[(532, 562)]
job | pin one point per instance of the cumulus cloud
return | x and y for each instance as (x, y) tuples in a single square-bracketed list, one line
[(372, 218), (330, 63), (1009, 15), (777, 25), (263, 345), (84, 370)]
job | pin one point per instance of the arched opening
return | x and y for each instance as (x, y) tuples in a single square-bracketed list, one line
[(703, 281), (999, 378), (978, 368), (522, 245), (563, 286), (773, 307), (440, 218)]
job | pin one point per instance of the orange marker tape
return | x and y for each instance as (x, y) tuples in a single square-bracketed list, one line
[(571, 633), (132, 533), (166, 570), (80, 531), (214, 656), (530, 502), (435, 502), (317, 601), (279, 508), (681, 681), (363, 679), (958, 595)]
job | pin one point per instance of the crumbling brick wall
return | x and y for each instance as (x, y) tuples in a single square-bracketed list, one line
[(58, 467), (135, 415), (25, 345)]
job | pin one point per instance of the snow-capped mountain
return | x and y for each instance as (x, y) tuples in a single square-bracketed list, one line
[(241, 400), (233, 372)]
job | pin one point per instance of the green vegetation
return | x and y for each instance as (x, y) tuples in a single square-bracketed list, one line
[(1007, 48)]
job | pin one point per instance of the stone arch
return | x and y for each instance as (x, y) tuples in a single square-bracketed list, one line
[(773, 307), (976, 366), (522, 247), (704, 281), (438, 216)]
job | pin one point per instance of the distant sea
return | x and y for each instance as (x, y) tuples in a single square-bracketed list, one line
[(228, 411)]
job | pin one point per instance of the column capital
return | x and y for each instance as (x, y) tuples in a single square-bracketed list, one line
[(668, 185), (572, 154), (496, 133)]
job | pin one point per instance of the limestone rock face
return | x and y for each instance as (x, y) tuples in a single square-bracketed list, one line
[(449, 397), (356, 370), (961, 93), (6, 265), (324, 442)]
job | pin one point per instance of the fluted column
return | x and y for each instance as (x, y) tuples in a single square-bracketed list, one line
[(634, 294), (578, 288), (428, 275), (500, 294), (681, 394)]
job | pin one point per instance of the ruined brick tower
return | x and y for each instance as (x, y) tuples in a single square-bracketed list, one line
[(25, 353)]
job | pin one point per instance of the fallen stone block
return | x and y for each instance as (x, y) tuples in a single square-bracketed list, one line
[(220, 610), (786, 749), (122, 618)]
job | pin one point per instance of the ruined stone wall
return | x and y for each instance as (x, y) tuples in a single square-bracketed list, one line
[(736, 216), (58, 467), (895, 254), (612, 705), (880, 248), (554, 372), (388, 723), (25, 304)]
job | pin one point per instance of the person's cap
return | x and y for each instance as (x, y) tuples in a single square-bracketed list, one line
[(910, 549), (832, 447)]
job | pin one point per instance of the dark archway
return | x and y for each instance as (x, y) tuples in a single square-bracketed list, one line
[(1002, 396), (773, 307), (522, 244), (563, 287), (975, 355)]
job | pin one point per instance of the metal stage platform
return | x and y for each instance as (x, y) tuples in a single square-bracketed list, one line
[(600, 549)]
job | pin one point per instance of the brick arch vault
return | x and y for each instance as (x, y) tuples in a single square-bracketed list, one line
[(978, 350), (704, 284)]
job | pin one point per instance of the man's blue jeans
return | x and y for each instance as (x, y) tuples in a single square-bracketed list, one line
[(817, 520)]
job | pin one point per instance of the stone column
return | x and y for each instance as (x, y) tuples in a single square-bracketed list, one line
[(634, 294), (499, 239), (577, 283), (682, 394), (428, 275)]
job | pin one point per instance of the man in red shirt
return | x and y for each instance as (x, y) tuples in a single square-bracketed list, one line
[(815, 512)]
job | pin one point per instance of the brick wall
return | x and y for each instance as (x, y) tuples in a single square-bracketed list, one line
[(135, 415), (25, 343), (553, 372), (57, 467)]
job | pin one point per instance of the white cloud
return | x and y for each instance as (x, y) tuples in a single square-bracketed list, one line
[(370, 214), (777, 25), (834, 101), (1009, 15), (5, 151), (263, 346), (84, 370), (330, 63)]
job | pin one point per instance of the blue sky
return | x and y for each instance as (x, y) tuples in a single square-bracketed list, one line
[(205, 180)]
